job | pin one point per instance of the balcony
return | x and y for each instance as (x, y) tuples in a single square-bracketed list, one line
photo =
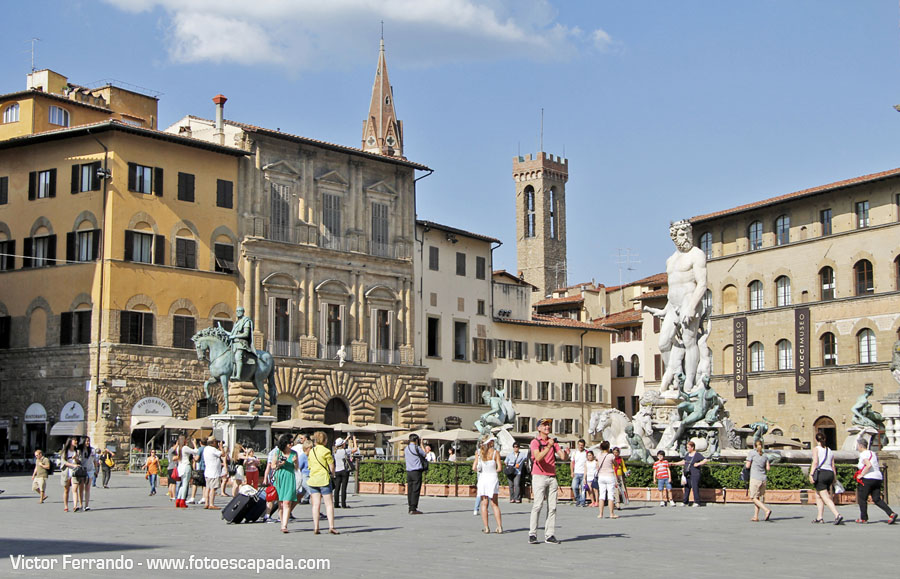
[(384, 356), (309, 234), (284, 348)]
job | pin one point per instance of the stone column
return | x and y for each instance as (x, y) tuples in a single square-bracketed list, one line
[(359, 346), (308, 344), (406, 349), (890, 410), (257, 298)]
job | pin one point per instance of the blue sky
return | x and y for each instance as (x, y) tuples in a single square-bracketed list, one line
[(664, 109)]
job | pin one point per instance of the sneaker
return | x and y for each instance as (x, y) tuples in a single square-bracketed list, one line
[(202, 502), (662, 503), (475, 513), (673, 504), (552, 540), (191, 501), (695, 505), (532, 540), (892, 519)]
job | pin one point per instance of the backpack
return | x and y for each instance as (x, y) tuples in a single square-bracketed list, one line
[(52, 468)]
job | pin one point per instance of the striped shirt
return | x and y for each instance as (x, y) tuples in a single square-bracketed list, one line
[(661, 468)]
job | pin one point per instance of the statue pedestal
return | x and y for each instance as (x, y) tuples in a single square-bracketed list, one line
[(855, 432), (249, 430), (890, 410)]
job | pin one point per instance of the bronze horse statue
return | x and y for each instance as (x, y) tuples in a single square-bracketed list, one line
[(213, 344)]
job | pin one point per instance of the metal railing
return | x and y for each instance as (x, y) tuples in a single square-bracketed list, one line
[(309, 234), (378, 356), (284, 348)]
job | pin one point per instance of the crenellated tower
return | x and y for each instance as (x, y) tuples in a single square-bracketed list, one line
[(382, 132), (541, 219)]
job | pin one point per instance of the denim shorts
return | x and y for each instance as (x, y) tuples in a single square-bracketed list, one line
[(325, 490), (663, 483)]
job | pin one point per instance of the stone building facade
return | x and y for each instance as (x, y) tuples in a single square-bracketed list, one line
[(814, 277)]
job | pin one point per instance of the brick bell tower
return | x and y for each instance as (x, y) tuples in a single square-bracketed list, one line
[(541, 220), (382, 133)]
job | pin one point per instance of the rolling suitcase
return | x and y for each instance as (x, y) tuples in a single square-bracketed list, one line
[(256, 509), (237, 509)]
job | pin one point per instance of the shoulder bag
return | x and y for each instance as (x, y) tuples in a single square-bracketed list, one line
[(327, 470), (109, 461), (510, 469)]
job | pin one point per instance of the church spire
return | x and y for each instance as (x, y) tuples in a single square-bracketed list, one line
[(382, 132)]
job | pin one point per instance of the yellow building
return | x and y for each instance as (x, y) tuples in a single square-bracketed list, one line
[(805, 292), (115, 240)]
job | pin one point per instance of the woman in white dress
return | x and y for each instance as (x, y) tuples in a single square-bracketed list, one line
[(487, 464), (184, 455)]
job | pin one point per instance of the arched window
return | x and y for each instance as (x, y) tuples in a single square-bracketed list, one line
[(620, 367), (529, 212), (865, 279), (553, 231), (829, 349), (756, 295), (754, 232), (757, 357), (866, 340), (11, 114), (635, 365), (897, 272), (783, 230), (706, 244), (59, 116), (728, 359), (707, 301), (336, 411), (783, 291), (785, 355), (729, 299), (826, 283)]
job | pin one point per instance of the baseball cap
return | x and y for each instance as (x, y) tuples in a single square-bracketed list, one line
[(339, 441), (544, 421)]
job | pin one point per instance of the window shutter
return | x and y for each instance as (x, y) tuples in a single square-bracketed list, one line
[(291, 309), (32, 185), (526, 391), (70, 246), (552, 352), (440, 389), (148, 329), (124, 322), (657, 367), (534, 424), (129, 245), (323, 325), (524, 350), (95, 178), (76, 177), (180, 260), (576, 390), (470, 394), (599, 355), (132, 176), (577, 429), (177, 331), (159, 250), (52, 192), (95, 243), (182, 186), (343, 318), (509, 347), (556, 426), (391, 323), (26, 251), (656, 325), (5, 323), (576, 350), (11, 250), (554, 392), (158, 181), (4, 190), (65, 328), (270, 318), (51, 250), (190, 253)]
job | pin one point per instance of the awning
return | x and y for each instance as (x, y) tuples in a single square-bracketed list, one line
[(74, 428), (150, 422)]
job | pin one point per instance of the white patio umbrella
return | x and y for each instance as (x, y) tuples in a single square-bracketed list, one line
[(456, 435), (300, 424), (424, 434), (375, 428)]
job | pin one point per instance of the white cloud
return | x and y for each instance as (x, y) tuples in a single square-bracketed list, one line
[(304, 34)]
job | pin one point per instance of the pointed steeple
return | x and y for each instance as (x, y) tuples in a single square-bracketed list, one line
[(382, 132)]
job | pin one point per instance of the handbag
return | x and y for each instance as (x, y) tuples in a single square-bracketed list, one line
[(510, 471), (271, 494), (79, 472), (175, 476), (838, 487), (745, 475), (109, 462), (815, 474)]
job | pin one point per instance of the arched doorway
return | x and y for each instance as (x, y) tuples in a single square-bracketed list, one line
[(826, 426), (336, 411)]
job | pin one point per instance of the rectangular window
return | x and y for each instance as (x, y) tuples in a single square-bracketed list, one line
[(460, 339), (594, 355), (568, 391), (862, 214), (591, 393), (517, 350), (136, 328), (543, 390), (657, 367), (7, 255), (185, 253), (75, 327), (280, 213), (44, 182), (186, 187), (433, 338), (85, 178), (380, 230), (781, 398), (656, 325), (820, 395), (620, 403), (515, 391), (569, 353), (224, 257), (331, 221), (825, 220), (479, 307), (435, 391), (282, 318), (40, 251), (433, 258), (500, 348), (224, 194), (543, 352), (207, 407), (461, 393), (283, 411), (141, 249), (480, 350), (140, 179), (5, 331), (460, 264), (382, 338), (4, 190), (524, 423), (335, 328), (637, 333), (480, 265), (183, 327), (85, 245), (59, 116)]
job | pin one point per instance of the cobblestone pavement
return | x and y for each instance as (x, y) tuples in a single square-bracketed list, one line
[(379, 539)]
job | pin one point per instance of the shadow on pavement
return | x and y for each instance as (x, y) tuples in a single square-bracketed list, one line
[(43, 547), (597, 536)]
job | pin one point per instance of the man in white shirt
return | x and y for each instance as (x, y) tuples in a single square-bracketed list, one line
[(429, 454), (577, 463), (212, 458)]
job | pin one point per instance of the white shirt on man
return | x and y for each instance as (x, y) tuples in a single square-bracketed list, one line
[(578, 460), (212, 458)]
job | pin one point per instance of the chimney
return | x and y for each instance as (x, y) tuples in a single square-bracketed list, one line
[(220, 118)]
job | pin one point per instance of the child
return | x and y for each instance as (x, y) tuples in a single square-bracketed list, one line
[(591, 468), (663, 478)]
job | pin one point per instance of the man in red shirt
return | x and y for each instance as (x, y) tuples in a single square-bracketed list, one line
[(544, 452)]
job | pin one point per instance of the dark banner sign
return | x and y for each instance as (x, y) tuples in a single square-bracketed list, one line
[(740, 357), (801, 336)]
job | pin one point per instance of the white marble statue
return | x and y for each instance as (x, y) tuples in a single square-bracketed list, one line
[(681, 318), (610, 424), (895, 362), (341, 355)]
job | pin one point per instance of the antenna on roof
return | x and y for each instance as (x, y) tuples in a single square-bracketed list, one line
[(33, 40), (624, 260)]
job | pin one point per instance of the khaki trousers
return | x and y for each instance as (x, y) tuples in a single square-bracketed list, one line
[(545, 489)]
